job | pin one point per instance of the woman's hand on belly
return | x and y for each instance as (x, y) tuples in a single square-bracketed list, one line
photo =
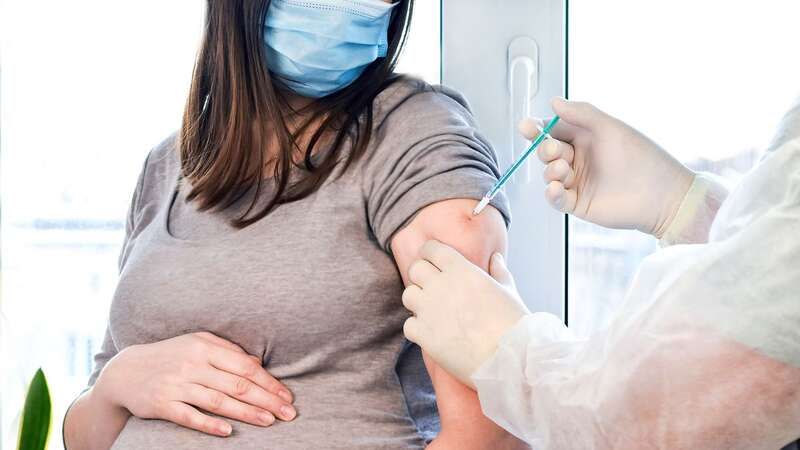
[(171, 379)]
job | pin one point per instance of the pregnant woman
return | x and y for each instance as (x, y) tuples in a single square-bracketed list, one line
[(268, 242)]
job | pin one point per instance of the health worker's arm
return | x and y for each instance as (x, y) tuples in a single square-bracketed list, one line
[(464, 426), (703, 352)]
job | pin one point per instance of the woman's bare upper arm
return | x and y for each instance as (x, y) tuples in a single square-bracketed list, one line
[(452, 222), (477, 237)]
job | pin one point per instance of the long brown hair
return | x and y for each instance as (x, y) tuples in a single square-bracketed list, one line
[(235, 110)]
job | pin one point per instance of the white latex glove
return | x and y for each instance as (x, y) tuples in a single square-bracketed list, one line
[(603, 171), (461, 312)]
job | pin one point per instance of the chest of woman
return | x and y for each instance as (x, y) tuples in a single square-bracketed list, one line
[(305, 288)]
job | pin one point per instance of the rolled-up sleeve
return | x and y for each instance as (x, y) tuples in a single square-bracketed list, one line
[(428, 150)]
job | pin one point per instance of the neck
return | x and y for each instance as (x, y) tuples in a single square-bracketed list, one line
[(296, 115)]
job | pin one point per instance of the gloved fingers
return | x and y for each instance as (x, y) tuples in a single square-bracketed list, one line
[(412, 297), (582, 114), (567, 150), (413, 330), (499, 271), (560, 198), (551, 148), (532, 126), (440, 255), (548, 151), (529, 127), (421, 272), (560, 170)]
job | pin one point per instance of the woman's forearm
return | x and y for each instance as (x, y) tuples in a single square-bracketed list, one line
[(93, 422), (504, 442), (464, 426), (489, 436)]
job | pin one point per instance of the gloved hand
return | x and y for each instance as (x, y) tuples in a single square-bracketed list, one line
[(461, 312), (601, 170)]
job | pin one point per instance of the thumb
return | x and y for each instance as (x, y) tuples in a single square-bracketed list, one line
[(582, 114), (499, 271)]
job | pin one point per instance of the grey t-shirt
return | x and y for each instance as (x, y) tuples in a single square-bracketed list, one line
[(311, 288)]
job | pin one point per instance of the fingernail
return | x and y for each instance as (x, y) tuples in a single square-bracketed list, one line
[(287, 412), (225, 429), (266, 418), (498, 258), (285, 395)]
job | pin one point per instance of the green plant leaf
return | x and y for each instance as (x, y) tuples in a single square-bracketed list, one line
[(36, 416)]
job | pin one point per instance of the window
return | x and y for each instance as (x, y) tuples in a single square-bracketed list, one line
[(708, 81), (86, 92)]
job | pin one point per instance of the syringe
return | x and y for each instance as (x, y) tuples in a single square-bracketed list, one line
[(544, 134)]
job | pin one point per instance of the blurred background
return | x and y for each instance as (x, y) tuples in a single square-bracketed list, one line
[(88, 87)]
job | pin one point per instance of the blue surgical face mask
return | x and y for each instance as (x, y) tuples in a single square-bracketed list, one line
[(318, 47)]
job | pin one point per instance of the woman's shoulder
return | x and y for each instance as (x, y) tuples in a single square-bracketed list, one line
[(163, 160), (410, 99), (159, 173)]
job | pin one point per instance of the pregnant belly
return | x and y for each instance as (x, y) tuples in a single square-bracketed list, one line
[(328, 419)]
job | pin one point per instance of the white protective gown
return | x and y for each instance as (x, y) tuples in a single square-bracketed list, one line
[(705, 351)]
